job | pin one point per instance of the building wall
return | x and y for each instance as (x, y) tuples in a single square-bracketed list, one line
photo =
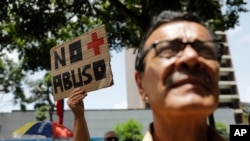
[(99, 121), (133, 97)]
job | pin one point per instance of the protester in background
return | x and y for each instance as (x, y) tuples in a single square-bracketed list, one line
[(177, 71), (110, 136)]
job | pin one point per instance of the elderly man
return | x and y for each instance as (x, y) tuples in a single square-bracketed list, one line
[(177, 72)]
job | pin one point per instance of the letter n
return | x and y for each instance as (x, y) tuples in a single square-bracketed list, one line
[(61, 59)]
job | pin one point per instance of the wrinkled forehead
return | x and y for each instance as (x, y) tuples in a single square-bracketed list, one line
[(183, 30)]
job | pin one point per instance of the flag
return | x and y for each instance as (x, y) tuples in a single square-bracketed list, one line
[(60, 110)]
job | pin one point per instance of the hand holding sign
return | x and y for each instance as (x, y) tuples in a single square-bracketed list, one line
[(81, 62)]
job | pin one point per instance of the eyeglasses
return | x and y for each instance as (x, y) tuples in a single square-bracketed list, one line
[(172, 48), (111, 139)]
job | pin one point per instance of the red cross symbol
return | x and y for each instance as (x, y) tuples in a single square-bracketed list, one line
[(95, 44)]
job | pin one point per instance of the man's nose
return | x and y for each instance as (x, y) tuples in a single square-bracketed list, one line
[(188, 58)]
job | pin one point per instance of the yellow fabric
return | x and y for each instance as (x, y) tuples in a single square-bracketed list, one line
[(24, 128)]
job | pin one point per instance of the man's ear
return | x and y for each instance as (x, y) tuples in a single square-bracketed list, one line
[(139, 83)]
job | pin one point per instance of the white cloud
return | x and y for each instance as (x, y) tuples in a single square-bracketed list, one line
[(13, 56), (232, 32), (248, 91), (121, 105), (246, 38), (6, 103), (246, 96)]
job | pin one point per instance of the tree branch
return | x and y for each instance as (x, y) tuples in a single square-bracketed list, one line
[(141, 20)]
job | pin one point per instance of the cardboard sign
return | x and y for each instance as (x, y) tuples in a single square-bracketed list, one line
[(81, 62)]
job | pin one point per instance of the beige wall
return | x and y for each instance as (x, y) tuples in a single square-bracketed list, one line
[(133, 97)]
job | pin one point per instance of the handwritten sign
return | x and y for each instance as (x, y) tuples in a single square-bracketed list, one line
[(81, 62)]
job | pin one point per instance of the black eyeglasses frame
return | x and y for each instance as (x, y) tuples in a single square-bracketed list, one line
[(139, 63)]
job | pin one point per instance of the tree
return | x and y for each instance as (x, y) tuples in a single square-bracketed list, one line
[(130, 130), (41, 90), (40, 112), (221, 128), (32, 27), (11, 78), (246, 112)]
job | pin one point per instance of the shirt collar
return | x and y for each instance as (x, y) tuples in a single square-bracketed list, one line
[(212, 133)]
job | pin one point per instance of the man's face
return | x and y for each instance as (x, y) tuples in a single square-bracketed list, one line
[(184, 83)]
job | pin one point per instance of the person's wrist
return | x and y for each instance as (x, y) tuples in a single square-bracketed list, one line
[(79, 115)]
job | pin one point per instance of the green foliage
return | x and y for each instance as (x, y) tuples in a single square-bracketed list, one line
[(131, 130), (221, 128), (41, 110), (11, 76), (33, 27), (42, 96), (245, 117), (246, 113)]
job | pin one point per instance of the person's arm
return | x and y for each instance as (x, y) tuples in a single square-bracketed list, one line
[(75, 102)]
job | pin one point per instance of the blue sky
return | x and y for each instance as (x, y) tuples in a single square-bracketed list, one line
[(115, 96)]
